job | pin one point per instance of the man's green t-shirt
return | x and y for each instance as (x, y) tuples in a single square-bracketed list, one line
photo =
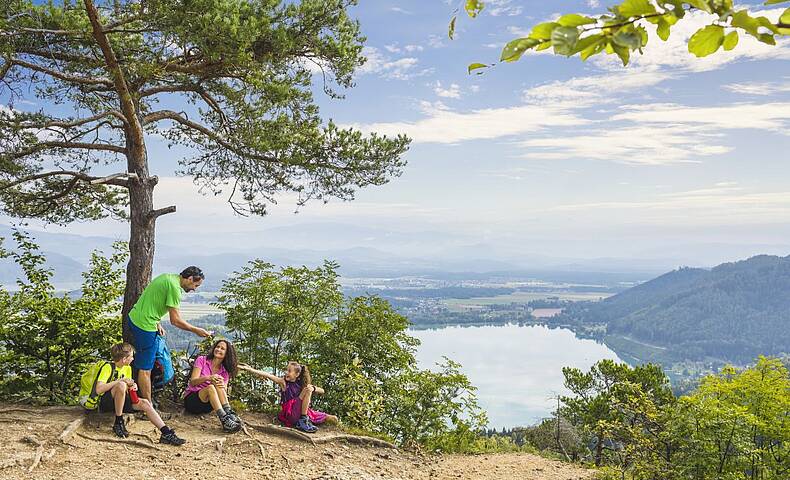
[(163, 293), (104, 374)]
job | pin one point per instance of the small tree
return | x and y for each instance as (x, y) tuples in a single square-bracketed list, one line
[(121, 71), (46, 339)]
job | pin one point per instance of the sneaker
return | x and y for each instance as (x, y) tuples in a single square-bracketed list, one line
[(171, 438), (230, 424), (304, 424), (120, 430)]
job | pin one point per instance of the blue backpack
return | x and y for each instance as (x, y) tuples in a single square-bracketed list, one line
[(163, 371)]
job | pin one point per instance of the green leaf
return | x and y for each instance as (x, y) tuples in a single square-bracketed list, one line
[(663, 29), (543, 46), (773, 2), (622, 52), (564, 40), (516, 48), (475, 66), (701, 4), (785, 18), (742, 19), (706, 40), (589, 46), (451, 31), (629, 40), (730, 40), (574, 20), (473, 7), (635, 8), (542, 31)]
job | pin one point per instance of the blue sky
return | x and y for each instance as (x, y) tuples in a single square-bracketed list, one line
[(548, 156)]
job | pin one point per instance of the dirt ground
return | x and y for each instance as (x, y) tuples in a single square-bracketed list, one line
[(210, 454)]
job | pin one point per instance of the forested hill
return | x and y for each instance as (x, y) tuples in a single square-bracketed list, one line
[(734, 311)]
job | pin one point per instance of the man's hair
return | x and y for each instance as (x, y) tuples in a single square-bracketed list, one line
[(120, 351), (193, 271)]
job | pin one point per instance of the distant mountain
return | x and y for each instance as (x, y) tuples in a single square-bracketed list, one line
[(734, 311)]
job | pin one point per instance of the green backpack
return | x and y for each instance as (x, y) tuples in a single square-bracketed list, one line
[(88, 396)]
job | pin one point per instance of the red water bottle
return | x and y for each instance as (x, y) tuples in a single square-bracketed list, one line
[(133, 395)]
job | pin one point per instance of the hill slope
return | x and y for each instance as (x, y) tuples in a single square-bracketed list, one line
[(258, 456), (734, 311)]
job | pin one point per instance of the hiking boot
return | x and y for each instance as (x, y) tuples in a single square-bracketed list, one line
[(171, 438), (120, 430), (230, 424), (233, 414), (304, 424)]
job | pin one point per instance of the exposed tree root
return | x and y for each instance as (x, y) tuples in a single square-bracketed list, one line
[(282, 431), (126, 441), (72, 427), (355, 439)]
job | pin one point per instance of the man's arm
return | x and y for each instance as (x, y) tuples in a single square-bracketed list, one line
[(177, 321)]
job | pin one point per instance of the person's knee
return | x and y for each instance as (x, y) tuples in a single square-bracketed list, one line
[(144, 373), (120, 387)]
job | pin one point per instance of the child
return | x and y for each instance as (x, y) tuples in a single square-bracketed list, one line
[(114, 396), (208, 385), (296, 391)]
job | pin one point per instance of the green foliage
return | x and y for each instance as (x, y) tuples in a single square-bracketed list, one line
[(735, 425), (46, 338), (622, 31), (735, 311), (357, 350)]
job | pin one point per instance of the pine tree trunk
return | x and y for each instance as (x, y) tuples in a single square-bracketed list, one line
[(142, 231)]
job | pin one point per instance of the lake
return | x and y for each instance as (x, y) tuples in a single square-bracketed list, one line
[(516, 369)]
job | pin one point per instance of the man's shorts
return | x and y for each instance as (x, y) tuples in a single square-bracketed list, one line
[(145, 345)]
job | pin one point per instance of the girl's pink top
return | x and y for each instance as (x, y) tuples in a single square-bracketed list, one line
[(204, 365)]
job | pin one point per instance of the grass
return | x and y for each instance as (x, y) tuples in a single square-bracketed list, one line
[(461, 304)]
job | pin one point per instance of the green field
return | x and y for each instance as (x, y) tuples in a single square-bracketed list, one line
[(461, 304), (191, 311)]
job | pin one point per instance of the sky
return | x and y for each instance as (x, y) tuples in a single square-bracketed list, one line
[(672, 157)]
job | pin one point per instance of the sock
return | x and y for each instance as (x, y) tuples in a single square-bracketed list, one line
[(303, 416), (165, 429), (221, 413), (119, 419), (226, 407)]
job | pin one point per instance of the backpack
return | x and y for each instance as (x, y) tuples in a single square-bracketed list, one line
[(163, 371), (88, 396)]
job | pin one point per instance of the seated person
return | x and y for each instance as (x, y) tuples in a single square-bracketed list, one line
[(296, 393), (115, 395), (208, 385)]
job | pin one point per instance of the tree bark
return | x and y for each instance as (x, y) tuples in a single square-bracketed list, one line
[(142, 230)]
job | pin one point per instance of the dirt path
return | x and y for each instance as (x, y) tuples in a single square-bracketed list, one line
[(259, 456)]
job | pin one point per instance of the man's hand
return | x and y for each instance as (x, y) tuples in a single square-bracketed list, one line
[(128, 381), (160, 329), (202, 332)]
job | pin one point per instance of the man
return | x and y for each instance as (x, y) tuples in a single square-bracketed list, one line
[(162, 296)]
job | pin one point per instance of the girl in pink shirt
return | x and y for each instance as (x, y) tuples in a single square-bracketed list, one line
[(208, 385)]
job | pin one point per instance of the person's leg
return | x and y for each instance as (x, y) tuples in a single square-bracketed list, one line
[(119, 397), (144, 384), (210, 395), (222, 393), (306, 396), (147, 407)]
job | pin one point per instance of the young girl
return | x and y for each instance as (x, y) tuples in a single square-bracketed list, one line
[(208, 385), (296, 392)]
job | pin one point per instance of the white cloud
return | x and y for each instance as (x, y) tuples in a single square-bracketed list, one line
[(435, 41), (400, 10), (385, 66), (593, 3), (763, 116), (442, 125), (634, 145), (756, 88), (506, 8), (453, 91), (582, 92)]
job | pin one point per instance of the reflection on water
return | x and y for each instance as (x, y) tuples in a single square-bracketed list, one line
[(516, 369)]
